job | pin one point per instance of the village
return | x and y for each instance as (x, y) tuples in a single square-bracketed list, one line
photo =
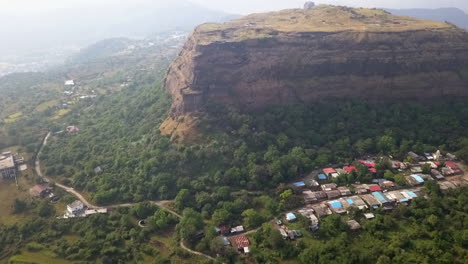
[(322, 197)]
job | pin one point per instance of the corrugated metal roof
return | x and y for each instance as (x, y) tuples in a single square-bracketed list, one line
[(380, 197), (336, 204), (322, 177), (417, 178), (299, 184)]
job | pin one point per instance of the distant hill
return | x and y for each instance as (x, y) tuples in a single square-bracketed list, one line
[(79, 27), (453, 15)]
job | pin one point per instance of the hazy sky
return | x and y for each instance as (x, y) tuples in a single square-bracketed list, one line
[(231, 6)]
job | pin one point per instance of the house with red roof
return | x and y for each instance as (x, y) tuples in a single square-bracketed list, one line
[(349, 169), (368, 163), (242, 243), (375, 188)]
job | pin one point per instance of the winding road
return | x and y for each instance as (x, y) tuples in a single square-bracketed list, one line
[(161, 204)]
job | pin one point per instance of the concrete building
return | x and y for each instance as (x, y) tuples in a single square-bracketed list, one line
[(75, 208), (8, 168)]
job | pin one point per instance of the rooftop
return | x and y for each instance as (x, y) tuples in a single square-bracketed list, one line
[(7, 162)]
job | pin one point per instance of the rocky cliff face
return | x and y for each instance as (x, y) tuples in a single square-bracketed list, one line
[(301, 56)]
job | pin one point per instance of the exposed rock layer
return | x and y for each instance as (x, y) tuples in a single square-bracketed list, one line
[(301, 56)]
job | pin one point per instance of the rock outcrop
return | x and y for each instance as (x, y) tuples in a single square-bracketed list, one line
[(302, 56)]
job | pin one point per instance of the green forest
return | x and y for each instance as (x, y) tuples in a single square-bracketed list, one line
[(242, 150), (433, 230)]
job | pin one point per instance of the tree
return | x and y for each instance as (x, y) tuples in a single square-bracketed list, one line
[(252, 218), (221, 216), (19, 206), (389, 175), (386, 144), (183, 199), (400, 179), (143, 210), (426, 168), (45, 209), (190, 224)]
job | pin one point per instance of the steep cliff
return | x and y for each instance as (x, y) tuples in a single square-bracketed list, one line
[(301, 56)]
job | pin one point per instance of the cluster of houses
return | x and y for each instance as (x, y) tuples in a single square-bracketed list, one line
[(323, 198), (78, 209), (240, 242)]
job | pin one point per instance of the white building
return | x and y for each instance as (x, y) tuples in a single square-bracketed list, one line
[(70, 83), (75, 208), (7, 166)]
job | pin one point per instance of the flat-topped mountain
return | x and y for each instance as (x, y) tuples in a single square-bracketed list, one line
[(326, 52)]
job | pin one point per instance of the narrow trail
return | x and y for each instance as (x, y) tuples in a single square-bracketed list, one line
[(182, 245)]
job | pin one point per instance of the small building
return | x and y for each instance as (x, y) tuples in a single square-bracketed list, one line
[(447, 171), (313, 185), (322, 177), (353, 225), (361, 188), (75, 208), (241, 243), (290, 217), (446, 185), (309, 197), (453, 166), (237, 229), (361, 205), (349, 169), (370, 200), (369, 216), (368, 163), (374, 188), (72, 129), (344, 191), (410, 195), (341, 172), (416, 169), (95, 211), (437, 175), (387, 185), (397, 197), (415, 180), (329, 187), (321, 210), (283, 233), (450, 156), (320, 195), (428, 156), (430, 163), (299, 184), (8, 168), (70, 83), (226, 241), (40, 191), (330, 172), (336, 207), (383, 200), (333, 194)]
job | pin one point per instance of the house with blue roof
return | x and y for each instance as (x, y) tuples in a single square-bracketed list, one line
[(383, 200), (336, 207), (415, 180), (290, 217)]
